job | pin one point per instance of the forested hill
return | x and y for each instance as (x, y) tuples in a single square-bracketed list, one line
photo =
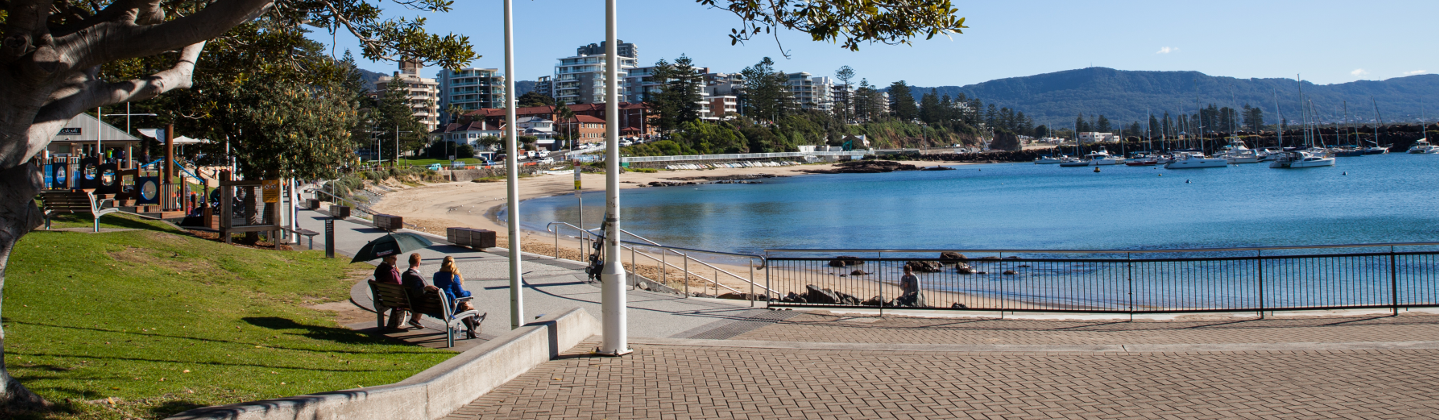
[(1124, 96)]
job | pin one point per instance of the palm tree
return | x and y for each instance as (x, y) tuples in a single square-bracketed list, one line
[(563, 113)]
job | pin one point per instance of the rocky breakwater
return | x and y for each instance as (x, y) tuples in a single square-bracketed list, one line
[(873, 167), (697, 180)]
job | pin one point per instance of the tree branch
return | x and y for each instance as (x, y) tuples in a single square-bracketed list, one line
[(26, 20), (110, 41)]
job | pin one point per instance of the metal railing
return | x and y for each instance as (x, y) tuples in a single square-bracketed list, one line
[(1256, 279), (739, 156), (644, 247)]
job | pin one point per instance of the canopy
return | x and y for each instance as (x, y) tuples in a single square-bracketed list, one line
[(155, 133)]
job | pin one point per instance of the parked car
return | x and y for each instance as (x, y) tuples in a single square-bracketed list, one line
[(434, 167), (547, 161)]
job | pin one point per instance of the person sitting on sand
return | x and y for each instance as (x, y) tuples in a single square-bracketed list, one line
[(910, 290)]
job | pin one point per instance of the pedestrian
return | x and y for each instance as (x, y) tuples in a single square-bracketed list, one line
[(910, 290), (386, 273), (415, 287)]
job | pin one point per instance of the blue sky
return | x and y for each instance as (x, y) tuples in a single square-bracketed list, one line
[(1325, 41)]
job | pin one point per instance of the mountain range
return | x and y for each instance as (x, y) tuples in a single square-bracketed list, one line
[(1124, 96)]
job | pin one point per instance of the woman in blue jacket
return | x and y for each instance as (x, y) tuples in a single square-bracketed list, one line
[(450, 282)]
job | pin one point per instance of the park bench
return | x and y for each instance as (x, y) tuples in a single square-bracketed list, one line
[(431, 303), (387, 222), (473, 238), (307, 233), (67, 201)]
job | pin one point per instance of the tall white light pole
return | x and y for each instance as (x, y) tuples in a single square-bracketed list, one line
[(512, 183), (612, 295)]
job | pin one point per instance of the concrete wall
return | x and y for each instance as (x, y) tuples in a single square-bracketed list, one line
[(431, 394)]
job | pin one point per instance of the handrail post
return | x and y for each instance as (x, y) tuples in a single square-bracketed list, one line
[(557, 244), (753, 283), (1260, 287), (1130, 288), (685, 264), (1395, 305), (880, 289)]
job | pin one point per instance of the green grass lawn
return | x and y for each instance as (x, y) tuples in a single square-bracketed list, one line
[(162, 322)]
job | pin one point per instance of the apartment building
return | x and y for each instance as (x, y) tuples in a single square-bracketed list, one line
[(641, 83), (810, 92), (719, 107), (544, 86), (471, 88), (580, 79), (724, 84), (422, 93)]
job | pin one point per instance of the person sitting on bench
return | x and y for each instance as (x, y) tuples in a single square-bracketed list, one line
[(448, 279), (415, 287)]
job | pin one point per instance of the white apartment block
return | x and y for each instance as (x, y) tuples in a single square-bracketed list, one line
[(810, 92), (471, 89), (581, 79), (423, 93)]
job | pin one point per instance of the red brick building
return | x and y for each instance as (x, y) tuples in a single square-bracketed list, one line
[(632, 116)]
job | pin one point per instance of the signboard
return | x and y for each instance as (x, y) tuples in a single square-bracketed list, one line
[(577, 177), (70, 131), (270, 190)]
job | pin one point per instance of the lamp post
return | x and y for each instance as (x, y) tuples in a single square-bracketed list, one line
[(512, 181), (613, 306), (396, 162)]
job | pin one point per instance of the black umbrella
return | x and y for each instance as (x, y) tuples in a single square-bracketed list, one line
[(391, 244)]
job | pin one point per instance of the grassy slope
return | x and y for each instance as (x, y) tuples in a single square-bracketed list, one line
[(127, 314)]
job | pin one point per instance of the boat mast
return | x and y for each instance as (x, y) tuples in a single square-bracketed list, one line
[(1306, 129), (1280, 131), (1376, 129)]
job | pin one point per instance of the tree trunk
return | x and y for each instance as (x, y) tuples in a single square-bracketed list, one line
[(18, 216)]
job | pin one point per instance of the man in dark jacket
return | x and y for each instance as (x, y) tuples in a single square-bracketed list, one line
[(415, 287)]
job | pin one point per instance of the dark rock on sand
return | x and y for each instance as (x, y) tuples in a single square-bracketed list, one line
[(925, 266)]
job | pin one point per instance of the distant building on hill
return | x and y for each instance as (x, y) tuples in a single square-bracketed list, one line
[(581, 79), (1094, 137), (423, 93)]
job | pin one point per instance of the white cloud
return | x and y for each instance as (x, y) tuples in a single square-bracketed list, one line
[(1167, 50), (1414, 72), (1359, 72)]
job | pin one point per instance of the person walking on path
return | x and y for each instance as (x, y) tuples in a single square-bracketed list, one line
[(386, 273), (910, 290), (415, 287)]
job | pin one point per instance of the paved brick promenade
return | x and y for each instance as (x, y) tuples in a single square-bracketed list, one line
[(715, 380)]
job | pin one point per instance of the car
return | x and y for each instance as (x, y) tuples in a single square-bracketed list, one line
[(547, 161), (434, 167)]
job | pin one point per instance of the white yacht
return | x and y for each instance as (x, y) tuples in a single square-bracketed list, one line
[(1268, 154), (1195, 160), (1309, 158), (1073, 162), (1237, 152), (1422, 147), (1102, 158)]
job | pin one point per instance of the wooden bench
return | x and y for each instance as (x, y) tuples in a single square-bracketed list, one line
[(472, 238), (431, 303), (387, 222), (67, 201), (307, 233)]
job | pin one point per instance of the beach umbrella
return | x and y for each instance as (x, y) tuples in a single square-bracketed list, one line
[(391, 244)]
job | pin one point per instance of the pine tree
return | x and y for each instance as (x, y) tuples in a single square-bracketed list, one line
[(903, 105)]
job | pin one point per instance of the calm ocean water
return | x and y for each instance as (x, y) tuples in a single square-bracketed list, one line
[(1369, 199)]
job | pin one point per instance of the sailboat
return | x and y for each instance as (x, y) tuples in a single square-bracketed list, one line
[(1345, 150), (1075, 162), (1196, 160), (1376, 148), (1310, 157)]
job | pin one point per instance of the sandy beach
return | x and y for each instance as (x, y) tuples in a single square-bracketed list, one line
[(433, 207)]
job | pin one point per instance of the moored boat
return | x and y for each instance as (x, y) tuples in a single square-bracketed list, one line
[(1309, 158), (1195, 160), (1422, 147), (1048, 159)]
